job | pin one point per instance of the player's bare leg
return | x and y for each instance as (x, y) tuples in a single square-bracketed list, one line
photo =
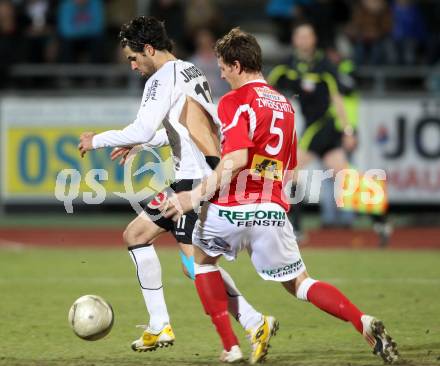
[(143, 230), (139, 236), (329, 299)]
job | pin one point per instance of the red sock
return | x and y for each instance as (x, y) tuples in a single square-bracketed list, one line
[(331, 300), (213, 296)]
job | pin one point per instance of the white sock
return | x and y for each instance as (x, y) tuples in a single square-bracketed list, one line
[(149, 274), (303, 289), (238, 307)]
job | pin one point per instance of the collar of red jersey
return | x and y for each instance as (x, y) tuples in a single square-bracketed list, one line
[(256, 81)]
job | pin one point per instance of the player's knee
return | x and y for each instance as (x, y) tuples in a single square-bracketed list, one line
[(126, 236), (132, 237)]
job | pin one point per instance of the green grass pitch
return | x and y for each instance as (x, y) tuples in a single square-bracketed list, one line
[(37, 287)]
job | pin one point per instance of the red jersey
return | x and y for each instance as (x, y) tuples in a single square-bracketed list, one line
[(258, 118)]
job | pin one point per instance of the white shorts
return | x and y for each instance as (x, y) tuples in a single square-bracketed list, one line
[(262, 228)]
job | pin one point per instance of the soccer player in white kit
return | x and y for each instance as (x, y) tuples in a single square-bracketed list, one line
[(248, 210), (177, 96)]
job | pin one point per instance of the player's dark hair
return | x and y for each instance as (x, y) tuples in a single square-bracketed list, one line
[(144, 30), (242, 47)]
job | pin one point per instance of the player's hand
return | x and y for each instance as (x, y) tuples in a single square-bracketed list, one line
[(120, 152), (349, 142), (178, 204), (85, 142)]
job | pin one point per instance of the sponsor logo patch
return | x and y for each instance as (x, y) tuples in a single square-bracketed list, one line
[(152, 91), (155, 203), (254, 218), (217, 245), (266, 167), (285, 270), (268, 93)]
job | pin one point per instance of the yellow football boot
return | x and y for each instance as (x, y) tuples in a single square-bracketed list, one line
[(260, 337), (150, 341)]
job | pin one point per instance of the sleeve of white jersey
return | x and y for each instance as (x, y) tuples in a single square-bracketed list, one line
[(155, 105), (160, 139)]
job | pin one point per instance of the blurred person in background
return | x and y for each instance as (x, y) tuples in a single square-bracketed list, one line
[(39, 30), (202, 14), (327, 16), (283, 13), (81, 30), (409, 33), (311, 78), (117, 13), (369, 30), (205, 59), (331, 215), (10, 40), (170, 12), (431, 15)]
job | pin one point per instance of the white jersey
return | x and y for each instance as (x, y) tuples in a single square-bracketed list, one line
[(163, 100)]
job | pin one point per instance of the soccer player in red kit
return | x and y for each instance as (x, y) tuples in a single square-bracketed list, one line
[(249, 209)]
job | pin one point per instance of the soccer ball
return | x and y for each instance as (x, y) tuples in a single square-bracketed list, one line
[(91, 317)]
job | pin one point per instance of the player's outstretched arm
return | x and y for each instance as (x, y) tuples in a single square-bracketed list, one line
[(160, 139), (152, 112), (133, 134)]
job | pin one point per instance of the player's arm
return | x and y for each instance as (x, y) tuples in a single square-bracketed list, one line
[(160, 139), (228, 167), (134, 134), (155, 105), (236, 142)]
